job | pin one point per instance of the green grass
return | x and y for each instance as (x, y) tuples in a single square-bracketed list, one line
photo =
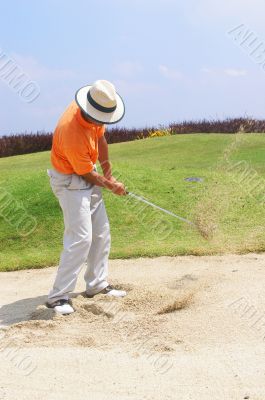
[(154, 168)]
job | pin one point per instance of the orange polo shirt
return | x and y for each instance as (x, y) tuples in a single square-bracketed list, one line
[(75, 143)]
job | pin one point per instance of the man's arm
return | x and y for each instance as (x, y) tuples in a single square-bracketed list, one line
[(107, 180), (103, 157)]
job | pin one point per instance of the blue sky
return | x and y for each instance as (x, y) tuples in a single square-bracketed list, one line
[(170, 60)]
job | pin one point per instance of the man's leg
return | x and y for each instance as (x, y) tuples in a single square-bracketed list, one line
[(97, 260), (77, 240)]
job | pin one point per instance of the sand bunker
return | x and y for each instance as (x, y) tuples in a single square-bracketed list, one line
[(104, 321), (190, 327)]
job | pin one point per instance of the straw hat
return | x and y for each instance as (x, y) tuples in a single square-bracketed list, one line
[(101, 102)]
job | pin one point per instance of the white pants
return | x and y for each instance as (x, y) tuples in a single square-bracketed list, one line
[(86, 235)]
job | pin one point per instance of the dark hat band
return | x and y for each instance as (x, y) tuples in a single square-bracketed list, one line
[(98, 106)]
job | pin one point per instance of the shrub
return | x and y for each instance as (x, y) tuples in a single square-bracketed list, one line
[(160, 133), (25, 143), (229, 125), (42, 141)]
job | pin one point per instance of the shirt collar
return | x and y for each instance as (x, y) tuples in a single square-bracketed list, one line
[(82, 122)]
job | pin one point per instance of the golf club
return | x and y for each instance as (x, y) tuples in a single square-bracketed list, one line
[(160, 208)]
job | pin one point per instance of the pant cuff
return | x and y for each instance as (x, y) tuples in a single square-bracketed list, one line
[(98, 289), (52, 300)]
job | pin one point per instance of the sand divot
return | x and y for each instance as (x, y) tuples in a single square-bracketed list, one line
[(179, 304), (161, 300), (96, 310)]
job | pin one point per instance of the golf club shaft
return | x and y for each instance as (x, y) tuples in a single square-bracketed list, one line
[(159, 208)]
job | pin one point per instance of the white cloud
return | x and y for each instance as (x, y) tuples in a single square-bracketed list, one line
[(207, 70), (37, 71), (127, 87), (128, 69), (233, 72), (224, 15), (237, 8), (170, 73)]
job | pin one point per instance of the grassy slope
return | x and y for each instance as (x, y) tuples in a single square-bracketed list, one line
[(155, 168)]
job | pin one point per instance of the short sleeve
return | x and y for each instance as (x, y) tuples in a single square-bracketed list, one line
[(101, 131), (79, 158)]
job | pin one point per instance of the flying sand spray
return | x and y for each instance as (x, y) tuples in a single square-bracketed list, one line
[(201, 231)]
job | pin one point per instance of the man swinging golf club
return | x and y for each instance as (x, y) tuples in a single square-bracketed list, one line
[(78, 142)]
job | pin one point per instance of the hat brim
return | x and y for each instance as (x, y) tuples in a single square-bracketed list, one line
[(96, 115)]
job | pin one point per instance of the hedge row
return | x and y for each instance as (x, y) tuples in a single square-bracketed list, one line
[(42, 141)]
